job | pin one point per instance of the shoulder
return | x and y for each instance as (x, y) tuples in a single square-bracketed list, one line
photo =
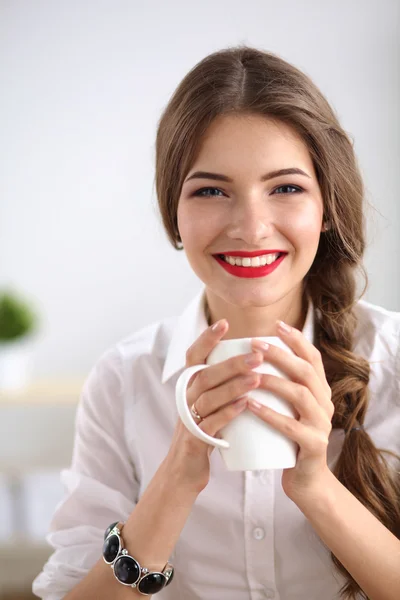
[(142, 352), (377, 338), (151, 341), (377, 314), (376, 326)]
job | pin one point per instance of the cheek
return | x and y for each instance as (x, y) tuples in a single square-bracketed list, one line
[(187, 226), (185, 223), (195, 225), (306, 225)]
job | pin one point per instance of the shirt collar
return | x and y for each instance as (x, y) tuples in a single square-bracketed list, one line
[(193, 322)]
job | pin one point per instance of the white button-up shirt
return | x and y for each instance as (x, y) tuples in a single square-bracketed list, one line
[(244, 539)]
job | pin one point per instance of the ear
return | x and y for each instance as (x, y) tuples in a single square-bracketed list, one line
[(178, 240), (326, 226)]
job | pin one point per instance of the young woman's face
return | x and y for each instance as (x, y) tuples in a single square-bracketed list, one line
[(251, 211)]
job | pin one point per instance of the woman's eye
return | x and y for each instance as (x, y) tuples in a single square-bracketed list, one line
[(283, 189), (289, 189), (206, 192)]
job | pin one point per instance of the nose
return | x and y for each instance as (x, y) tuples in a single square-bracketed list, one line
[(250, 223)]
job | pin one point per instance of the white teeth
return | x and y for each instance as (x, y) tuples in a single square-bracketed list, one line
[(271, 258), (256, 261)]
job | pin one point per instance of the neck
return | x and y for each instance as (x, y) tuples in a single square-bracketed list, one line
[(257, 321)]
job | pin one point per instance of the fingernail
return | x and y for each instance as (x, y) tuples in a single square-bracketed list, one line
[(260, 344), (218, 326), (255, 404), (283, 327), (250, 380), (253, 359), (241, 402)]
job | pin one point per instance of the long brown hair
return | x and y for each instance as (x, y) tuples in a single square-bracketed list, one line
[(244, 80)]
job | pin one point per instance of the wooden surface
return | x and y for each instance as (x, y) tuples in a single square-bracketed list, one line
[(36, 434), (23, 595), (18, 572), (45, 392)]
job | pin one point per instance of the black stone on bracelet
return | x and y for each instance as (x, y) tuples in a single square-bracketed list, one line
[(127, 570), (152, 583), (111, 548), (107, 531)]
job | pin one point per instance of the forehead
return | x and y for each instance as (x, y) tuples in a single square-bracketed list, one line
[(251, 140)]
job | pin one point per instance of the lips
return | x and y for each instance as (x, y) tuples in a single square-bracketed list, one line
[(249, 272)]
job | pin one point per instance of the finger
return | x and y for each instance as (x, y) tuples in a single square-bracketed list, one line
[(215, 422), (311, 441), (302, 348), (214, 399), (299, 371), (222, 372), (300, 397), (201, 348)]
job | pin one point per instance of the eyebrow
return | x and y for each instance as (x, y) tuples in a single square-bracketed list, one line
[(266, 177)]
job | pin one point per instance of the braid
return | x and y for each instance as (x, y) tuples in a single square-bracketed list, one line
[(361, 467)]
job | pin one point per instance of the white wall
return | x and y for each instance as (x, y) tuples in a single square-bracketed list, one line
[(82, 85)]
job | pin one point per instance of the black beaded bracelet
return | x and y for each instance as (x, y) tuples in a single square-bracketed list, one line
[(127, 569)]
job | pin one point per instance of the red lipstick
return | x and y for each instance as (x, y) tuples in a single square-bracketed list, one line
[(249, 272)]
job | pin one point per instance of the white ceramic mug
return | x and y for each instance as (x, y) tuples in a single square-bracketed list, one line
[(247, 443)]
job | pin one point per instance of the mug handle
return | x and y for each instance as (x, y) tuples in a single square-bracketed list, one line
[(184, 411)]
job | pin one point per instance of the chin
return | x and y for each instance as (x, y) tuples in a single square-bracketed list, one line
[(256, 298)]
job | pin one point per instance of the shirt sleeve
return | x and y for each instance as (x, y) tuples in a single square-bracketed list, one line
[(100, 486)]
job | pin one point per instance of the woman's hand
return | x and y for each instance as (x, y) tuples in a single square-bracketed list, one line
[(309, 393), (219, 394)]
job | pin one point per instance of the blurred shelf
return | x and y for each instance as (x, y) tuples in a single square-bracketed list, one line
[(16, 546), (37, 425), (21, 560), (52, 391), (36, 441)]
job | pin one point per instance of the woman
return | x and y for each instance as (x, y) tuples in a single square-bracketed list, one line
[(251, 160)]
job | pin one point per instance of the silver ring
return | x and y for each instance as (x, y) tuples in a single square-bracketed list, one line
[(195, 414)]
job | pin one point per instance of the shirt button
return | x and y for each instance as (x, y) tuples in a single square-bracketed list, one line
[(269, 593), (258, 534)]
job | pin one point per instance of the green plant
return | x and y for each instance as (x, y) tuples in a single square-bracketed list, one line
[(17, 319)]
